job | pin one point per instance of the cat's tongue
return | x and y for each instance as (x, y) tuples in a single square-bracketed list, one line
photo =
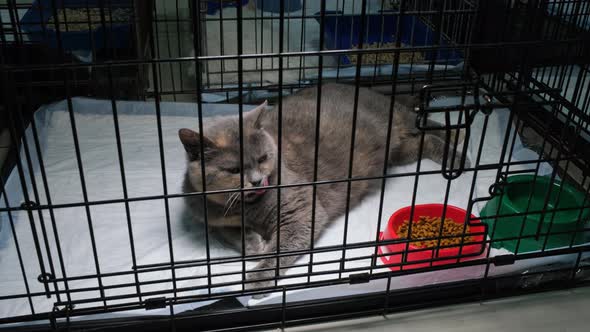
[(263, 184)]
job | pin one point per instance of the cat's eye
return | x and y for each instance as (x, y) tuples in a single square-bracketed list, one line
[(263, 158), (234, 170)]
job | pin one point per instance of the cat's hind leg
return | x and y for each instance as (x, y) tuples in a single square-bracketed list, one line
[(453, 138), (433, 147)]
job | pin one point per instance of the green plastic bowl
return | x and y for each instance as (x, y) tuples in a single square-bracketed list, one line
[(517, 190)]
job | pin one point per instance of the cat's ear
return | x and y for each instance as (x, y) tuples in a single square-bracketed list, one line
[(192, 143), (257, 114)]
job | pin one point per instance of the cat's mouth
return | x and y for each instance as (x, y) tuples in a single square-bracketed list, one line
[(252, 196)]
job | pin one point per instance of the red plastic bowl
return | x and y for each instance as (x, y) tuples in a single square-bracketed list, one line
[(416, 254)]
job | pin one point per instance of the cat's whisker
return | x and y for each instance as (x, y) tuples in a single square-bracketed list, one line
[(230, 206), (233, 197), (232, 200), (227, 201), (235, 200)]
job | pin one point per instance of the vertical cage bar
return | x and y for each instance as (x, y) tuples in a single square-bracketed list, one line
[(17, 247), (197, 47), (353, 132), (280, 139), (179, 49), (302, 70), (36, 196), (317, 138), (10, 109), (156, 39), (157, 102), (394, 76), (448, 188), (84, 188), (241, 133), (123, 180), (170, 64), (33, 126)]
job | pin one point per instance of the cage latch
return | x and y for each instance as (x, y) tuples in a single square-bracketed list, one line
[(45, 278), (359, 278), (501, 260), (53, 319), (29, 205), (155, 303)]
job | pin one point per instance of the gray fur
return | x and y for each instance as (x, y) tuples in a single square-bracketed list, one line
[(297, 166)]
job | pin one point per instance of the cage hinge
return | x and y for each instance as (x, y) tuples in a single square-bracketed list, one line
[(155, 303), (53, 319), (359, 278), (59, 312), (501, 260)]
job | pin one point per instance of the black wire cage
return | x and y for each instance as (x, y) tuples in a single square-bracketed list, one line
[(94, 228)]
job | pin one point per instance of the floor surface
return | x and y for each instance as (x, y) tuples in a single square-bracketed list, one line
[(557, 311)]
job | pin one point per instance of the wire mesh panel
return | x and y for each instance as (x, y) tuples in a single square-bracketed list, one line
[(285, 162)]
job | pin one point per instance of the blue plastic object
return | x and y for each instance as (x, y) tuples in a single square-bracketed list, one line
[(214, 5), (274, 6), (342, 32), (566, 10), (117, 35)]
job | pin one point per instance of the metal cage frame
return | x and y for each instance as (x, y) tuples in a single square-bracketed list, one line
[(501, 68)]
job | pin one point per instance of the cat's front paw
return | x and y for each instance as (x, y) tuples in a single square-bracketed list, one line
[(260, 280), (254, 243)]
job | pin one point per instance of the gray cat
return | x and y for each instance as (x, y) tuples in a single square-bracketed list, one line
[(221, 153)]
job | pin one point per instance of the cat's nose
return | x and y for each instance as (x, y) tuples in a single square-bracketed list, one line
[(256, 183)]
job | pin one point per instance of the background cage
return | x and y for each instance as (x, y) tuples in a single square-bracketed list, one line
[(514, 75)]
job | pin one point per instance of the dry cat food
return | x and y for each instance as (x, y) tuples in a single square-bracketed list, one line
[(429, 227), (89, 18), (386, 58)]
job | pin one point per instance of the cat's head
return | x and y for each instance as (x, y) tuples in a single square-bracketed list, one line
[(219, 149)]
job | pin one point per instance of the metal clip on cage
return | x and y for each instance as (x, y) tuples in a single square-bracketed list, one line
[(468, 110), (464, 121)]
